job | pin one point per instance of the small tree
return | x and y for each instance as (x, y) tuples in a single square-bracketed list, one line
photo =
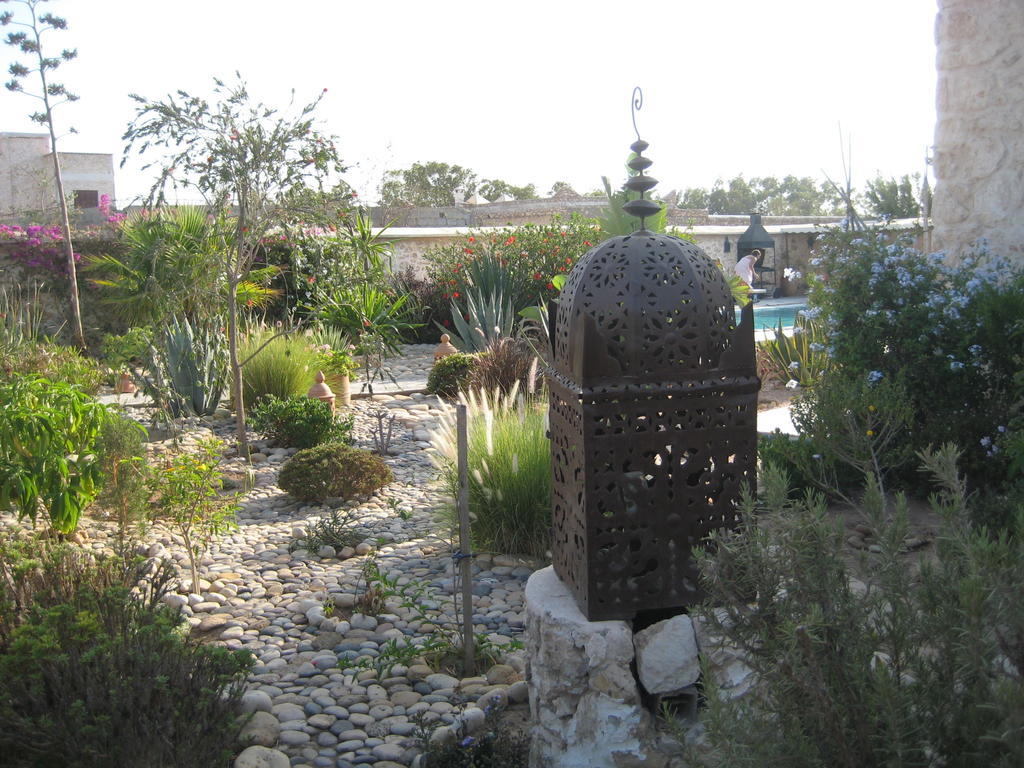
[(246, 160), (188, 498), (52, 95)]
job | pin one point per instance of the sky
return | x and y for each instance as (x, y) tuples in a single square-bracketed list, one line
[(526, 91)]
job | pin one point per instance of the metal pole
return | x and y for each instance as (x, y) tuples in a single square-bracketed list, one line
[(466, 560)]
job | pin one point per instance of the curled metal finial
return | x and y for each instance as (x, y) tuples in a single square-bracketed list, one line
[(638, 102)]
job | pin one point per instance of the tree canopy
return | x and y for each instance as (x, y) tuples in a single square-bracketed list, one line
[(789, 196), (440, 184), (896, 198)]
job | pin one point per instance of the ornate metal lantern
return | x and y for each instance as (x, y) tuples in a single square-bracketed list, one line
[(653, 411)]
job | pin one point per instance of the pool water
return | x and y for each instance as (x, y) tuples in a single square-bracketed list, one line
[(767, 316)]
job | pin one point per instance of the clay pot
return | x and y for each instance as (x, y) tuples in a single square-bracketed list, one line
[(125, 385)]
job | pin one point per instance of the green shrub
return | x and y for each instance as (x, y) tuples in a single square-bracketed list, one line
[(57, 363), (451, 374), (125, 475), (505, 363), (188, 497), (531, 255), (509, 472), (48, 435), (497, 746), (858, 422), (911, 664), (890, 311), (333, 470), (300, 422), (96, 675), (427, 305), (335, 530), (801, 459), (284, 368)]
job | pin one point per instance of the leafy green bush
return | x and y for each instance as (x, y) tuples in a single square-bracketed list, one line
[(188, 497), (869, 661), (451, 374), (56, 363), (891, 311), (300, 422), (509, 471), (96, 672), (121, 351), (531, 255), (859, 422), (333, 470), (283, 368), (125, 476), (427, 305), (48, 436)]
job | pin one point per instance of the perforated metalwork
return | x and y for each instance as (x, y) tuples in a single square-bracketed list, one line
[(653, 422)]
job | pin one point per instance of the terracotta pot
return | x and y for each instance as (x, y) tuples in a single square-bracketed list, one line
[(344, 392), (125, 385)]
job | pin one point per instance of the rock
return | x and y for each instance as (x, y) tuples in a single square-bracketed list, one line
[(419, 672), (583, 696), (500, 674), (666, 655), (294, 738), (439, 681), (288, 712), (393, 752), (255, 701), (261, 757), (344, 600), (519, 692), (473, 719), (261, 729), (327, 640), (726, 663)]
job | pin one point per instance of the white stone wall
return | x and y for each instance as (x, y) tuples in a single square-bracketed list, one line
[(26, 175), (23, 183), (979, 135)]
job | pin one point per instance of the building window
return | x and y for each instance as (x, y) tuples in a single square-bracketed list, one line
[(87, 198)]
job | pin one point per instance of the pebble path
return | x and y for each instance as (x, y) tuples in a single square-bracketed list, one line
[(318, 698)]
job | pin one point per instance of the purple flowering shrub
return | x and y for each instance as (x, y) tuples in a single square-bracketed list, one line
[(37, 246), (944, 330)]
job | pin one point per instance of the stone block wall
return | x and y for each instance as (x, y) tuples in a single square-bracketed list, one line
[(979, 134)]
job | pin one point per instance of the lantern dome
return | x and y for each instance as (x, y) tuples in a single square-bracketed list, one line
[(642, 309)]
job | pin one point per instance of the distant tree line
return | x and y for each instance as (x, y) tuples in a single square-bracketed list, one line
[(441, 184)]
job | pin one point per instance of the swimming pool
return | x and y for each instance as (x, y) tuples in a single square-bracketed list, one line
[(767, 315)]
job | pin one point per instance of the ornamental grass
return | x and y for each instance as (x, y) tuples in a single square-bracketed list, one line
[(509, 471)]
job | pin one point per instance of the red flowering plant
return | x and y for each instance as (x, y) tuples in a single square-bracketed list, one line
[(531, 255)]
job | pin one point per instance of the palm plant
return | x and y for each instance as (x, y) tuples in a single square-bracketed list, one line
[(171, 267), (363, 309)]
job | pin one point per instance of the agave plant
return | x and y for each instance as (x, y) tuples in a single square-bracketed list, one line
[(194, 366), (490, 317)]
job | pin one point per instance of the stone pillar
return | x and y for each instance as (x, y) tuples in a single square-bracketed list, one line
[(584, 698), (979, 134)]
